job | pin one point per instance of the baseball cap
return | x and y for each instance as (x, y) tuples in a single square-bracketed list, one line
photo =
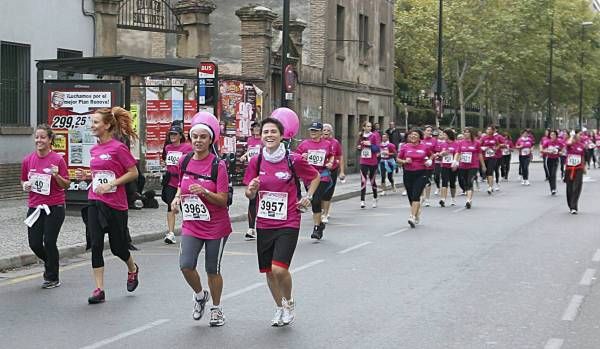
[(315, 125), (175, 129)]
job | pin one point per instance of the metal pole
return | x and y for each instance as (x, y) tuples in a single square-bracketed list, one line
[(581, 83), (549, 118), (438, 96), (284, 48)]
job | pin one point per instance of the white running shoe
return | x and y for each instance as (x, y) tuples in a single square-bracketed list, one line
[(522, 182), (289, 314), (362, 204), (325, 218), (452, 202), (496, 188), (170, 238), (199, 305), (527, 183), (489, 190), (250, 234), (374, 203), (383, 193), (404, 193), (411, 221), (216, 317), (426, 203), (417, 219), (277, 321), (437, 192)]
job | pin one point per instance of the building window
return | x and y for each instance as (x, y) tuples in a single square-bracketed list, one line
[(363, 38), (64, 53), (339, 28), (15, 84), (382, 48), (338, 126)]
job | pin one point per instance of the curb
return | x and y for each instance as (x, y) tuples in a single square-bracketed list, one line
[(19, 261)]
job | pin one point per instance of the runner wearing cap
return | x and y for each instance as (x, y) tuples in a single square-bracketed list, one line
[(368, 145), (552, 147), (468, 159), (273, 178), (336, 171), (254, 144), (387, 162), (524, 145), (319, 154), (173, 151), (44, 176), (575, 169)]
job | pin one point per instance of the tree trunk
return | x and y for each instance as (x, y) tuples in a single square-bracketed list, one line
[(461, 101)]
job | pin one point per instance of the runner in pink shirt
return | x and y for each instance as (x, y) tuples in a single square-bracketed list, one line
[(431, 142), (202, 200), (415, 158), (544, 138), (575, 151), (506, 156), (175, 150), (112, 166), (525, 145), (499, 157), (387, 162), (336, 171), (253, 146), (445, 151), (468, 159), (44, 176), (368, 146), (274, 179), (552, 148), (490, 144)]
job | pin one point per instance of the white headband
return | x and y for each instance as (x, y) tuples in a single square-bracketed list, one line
[(203, 127)]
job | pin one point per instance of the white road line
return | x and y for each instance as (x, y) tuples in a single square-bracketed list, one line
[(554, 343), (573, 308), (459, 210), (355, 247), (596, 257), (307, 265), (126, 334), (395, 232), (588, 277)]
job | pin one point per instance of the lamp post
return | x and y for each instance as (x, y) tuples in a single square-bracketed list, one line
[(438, 94), (583, 25), (284, 48)]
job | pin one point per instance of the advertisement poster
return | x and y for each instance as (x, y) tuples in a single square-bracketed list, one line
[(159, 114), (69, 108), (185, 90), (231, 104)]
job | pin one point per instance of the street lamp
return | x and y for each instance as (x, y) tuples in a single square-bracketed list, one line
[(583, 25), (438, 97)]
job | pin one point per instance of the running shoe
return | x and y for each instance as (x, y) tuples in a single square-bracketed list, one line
[(383, 193), (250, 234), (199, 305), (489, 190), (216, 317), (523, 182), (97, 296), (411, 221), (417, 220), (289, 314), (132, 279), (277, 321), (463, 193), (573, 211), (325, 218), (553, 192), (442, 203), (426, 203), (362, 204), (436, 192), (50, 284), (404, 193), (468, 205), (318, 231), (496, 187), (374, 203), (452, 202), (170, 238), (527, 183)]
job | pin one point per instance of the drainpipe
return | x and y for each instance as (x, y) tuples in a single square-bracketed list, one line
[(93, 17)]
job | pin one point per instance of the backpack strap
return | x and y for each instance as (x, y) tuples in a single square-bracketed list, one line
[(186, 161)]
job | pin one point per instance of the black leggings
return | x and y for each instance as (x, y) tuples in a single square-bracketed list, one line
[(252, 213), (42, 239), (328, 195), (367, 171), (414, 182), (466, 176), (317, 199), (105, 220), (524, 166), (448, 178), (590, 156), (574, 181), (563, 160), (505, 166), (552, 164), (437, 175)]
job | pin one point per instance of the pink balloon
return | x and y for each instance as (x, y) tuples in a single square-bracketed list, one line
[(210, 120), (289, 120)]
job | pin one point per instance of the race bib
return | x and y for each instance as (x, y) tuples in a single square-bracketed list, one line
[(40, 183), (552, 150), (505, 151), (525, 151), (573, 160), (591, 146), (489, 152), (365, 153), (273, 205), (193, 209), (253, 151), (466, 157), (173, 158), (103, 177), (447, 159), (316, 157)]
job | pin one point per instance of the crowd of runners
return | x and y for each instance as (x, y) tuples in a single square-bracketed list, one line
[(450, 162)]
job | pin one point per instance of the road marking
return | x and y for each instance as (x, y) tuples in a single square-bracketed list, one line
[(395, 232), (306, 266), (573, 308), (355, 247), (459, 210), (596, 257), (126, 334), (588, 277), (554, 343)]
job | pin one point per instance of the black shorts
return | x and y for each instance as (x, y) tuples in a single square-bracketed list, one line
[(490, 166), (167, 195), (275, 247), (429, 175)]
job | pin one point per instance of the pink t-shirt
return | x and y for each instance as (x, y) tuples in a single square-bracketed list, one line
[(502, 143), (336, 149), (253, 146), (552, 148), (431, 143), (387, 150), (526, 145), (277, 182), (449, 147), (45, 189), (319, 153), (218, 225), (173, 154), (542, 141), (367, 155), (417, 153), (108, 162), (488, 145), (468, 151)]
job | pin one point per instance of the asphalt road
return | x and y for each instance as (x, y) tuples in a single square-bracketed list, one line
[(516, 271)]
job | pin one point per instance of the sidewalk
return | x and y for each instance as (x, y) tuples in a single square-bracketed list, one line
[(144, 225)]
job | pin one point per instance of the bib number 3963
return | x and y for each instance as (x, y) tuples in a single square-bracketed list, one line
[(103, 177), (193, 209), (273, 205), (40, 183)]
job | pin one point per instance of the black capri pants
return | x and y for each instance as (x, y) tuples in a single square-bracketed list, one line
[(106, 220), (448, 178), (466, 177), (415, 182), (42, 238), (317, 199), (490, 166)]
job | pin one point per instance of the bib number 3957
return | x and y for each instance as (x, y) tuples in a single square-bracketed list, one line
[(273, 205), (193, 209), (103, 177)]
